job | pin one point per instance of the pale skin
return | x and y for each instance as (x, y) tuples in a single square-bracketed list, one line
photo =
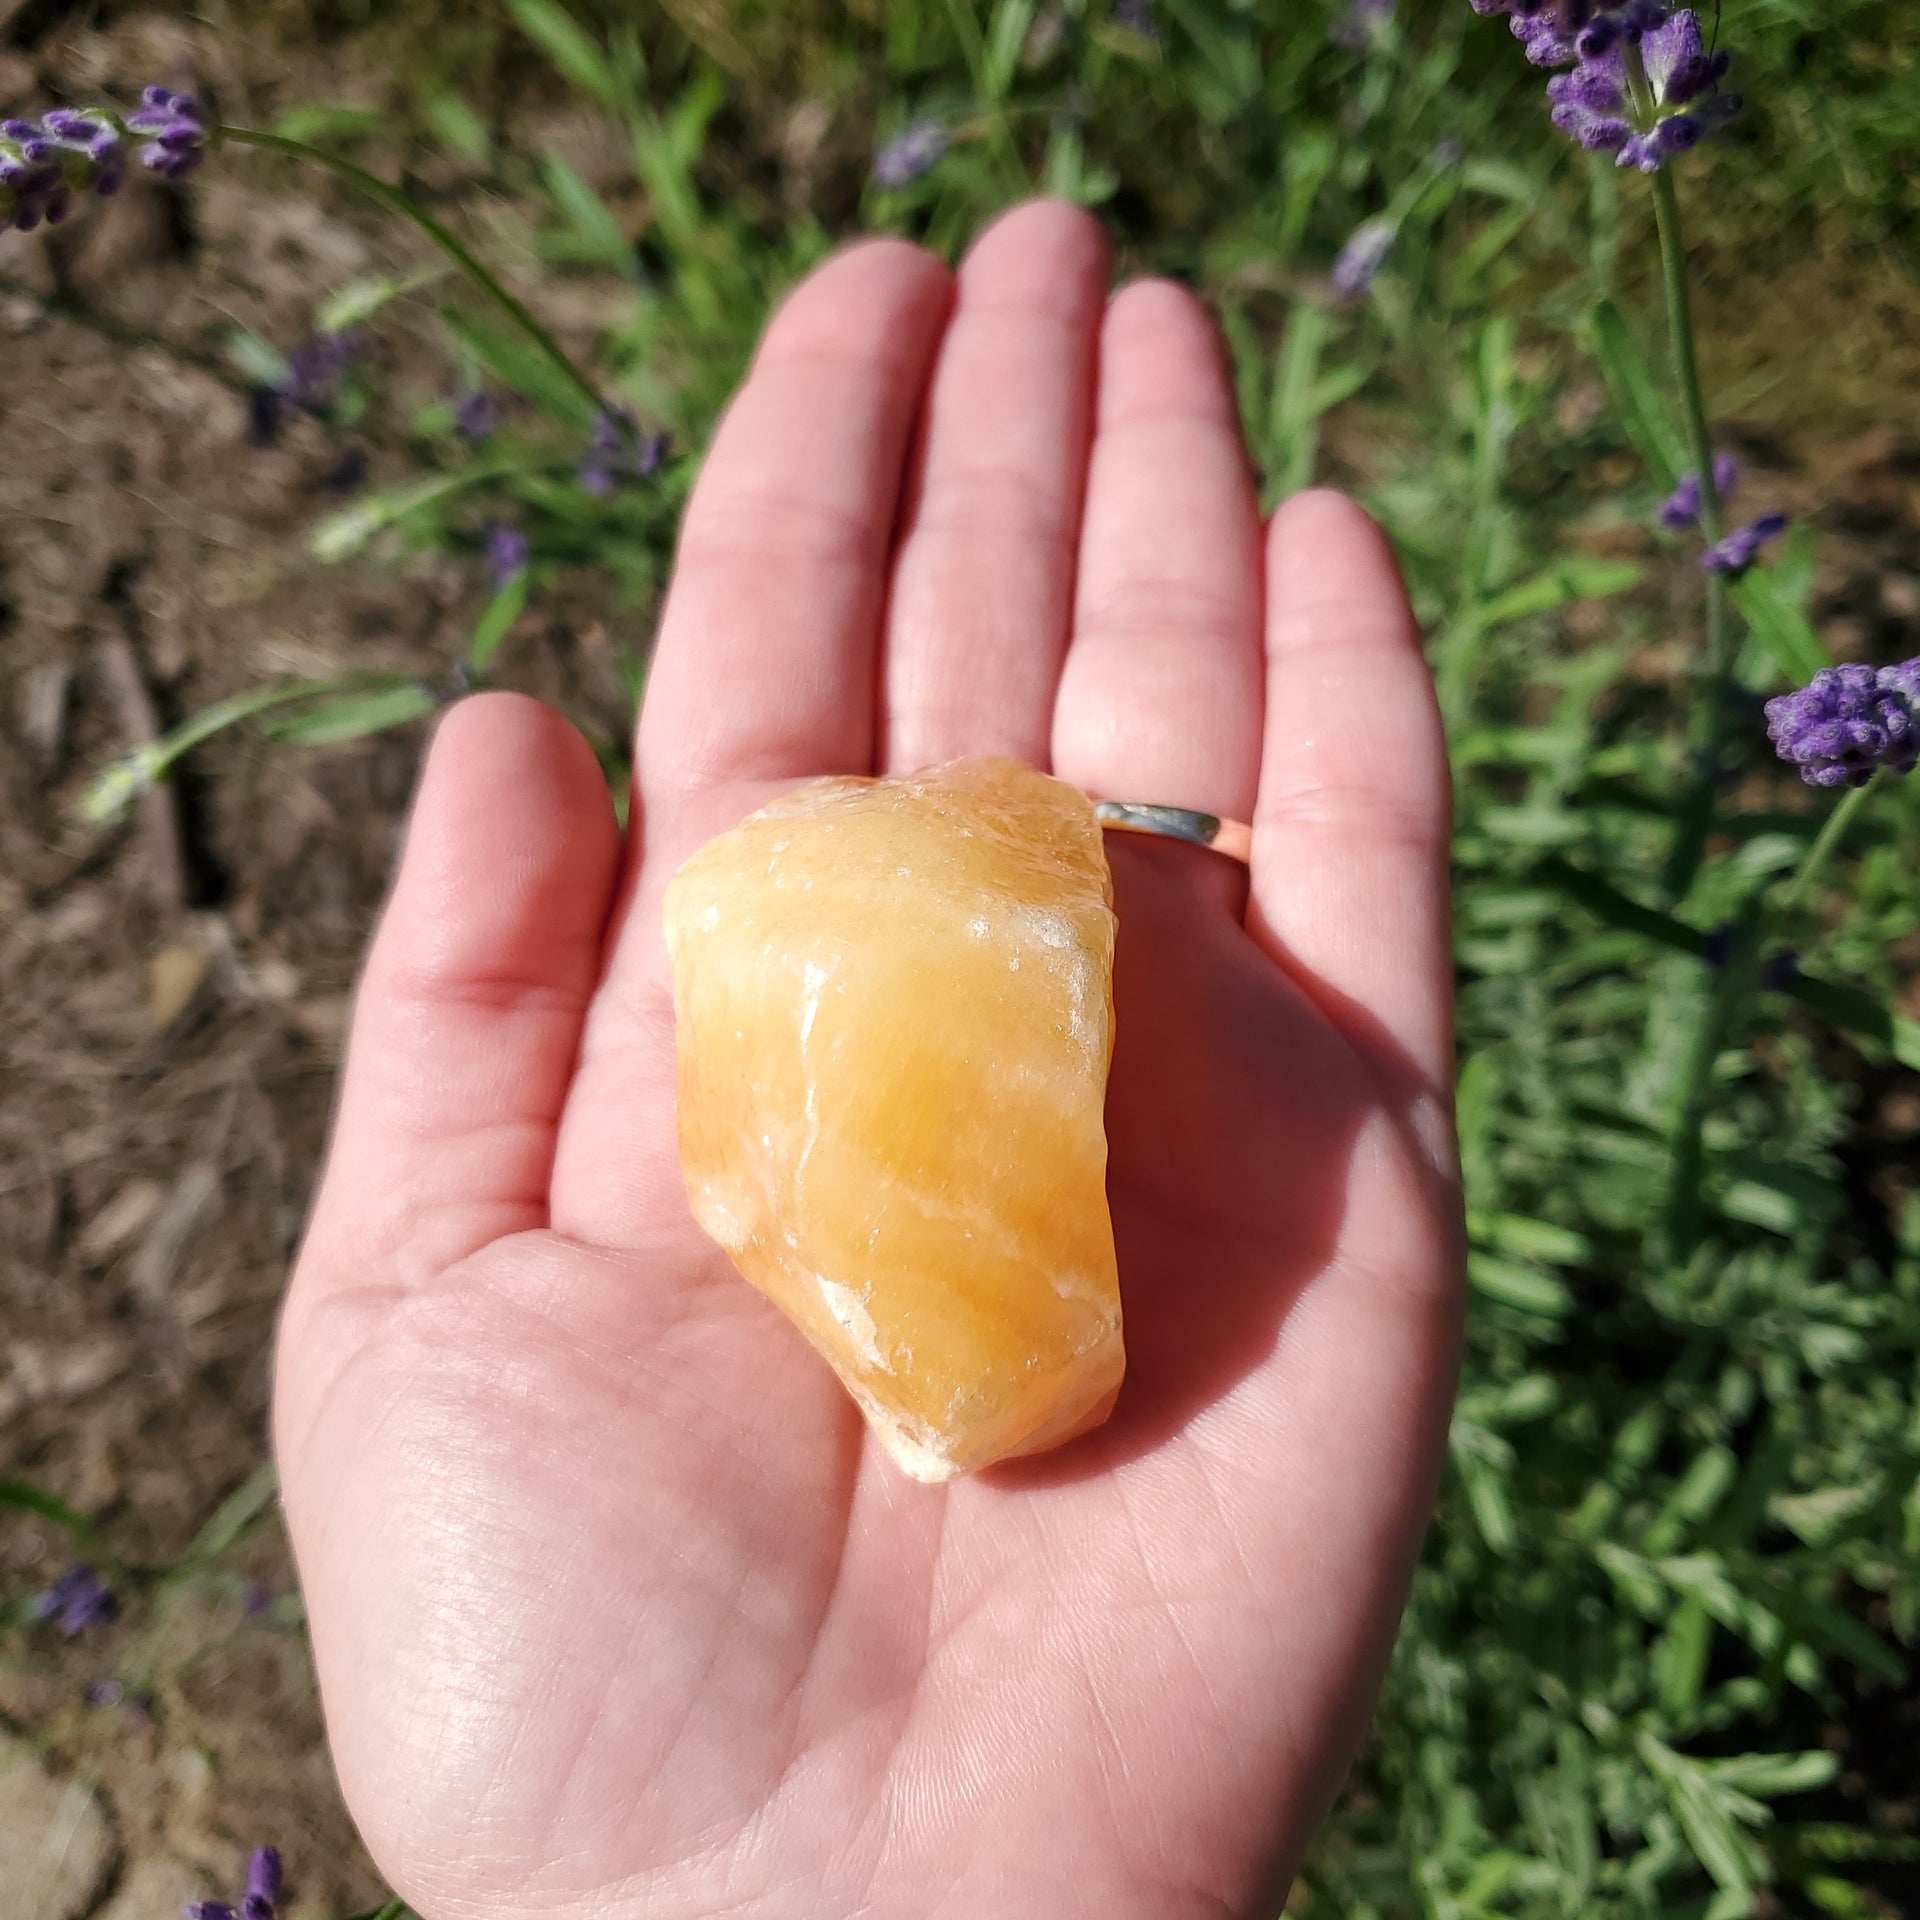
[(619, 1614)]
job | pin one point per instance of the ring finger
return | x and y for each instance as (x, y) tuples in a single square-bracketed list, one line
[(1161, 695)]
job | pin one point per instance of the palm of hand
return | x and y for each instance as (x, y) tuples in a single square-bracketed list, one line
[(616, 1610)]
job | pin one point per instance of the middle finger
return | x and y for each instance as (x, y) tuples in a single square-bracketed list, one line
[(983, 583)]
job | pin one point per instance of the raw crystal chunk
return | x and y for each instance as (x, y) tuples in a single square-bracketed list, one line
[(894, 1013)]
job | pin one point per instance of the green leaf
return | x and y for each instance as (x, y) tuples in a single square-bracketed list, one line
[(1486, 1500), (1704, 1484), (1679, 1659), (359, 300), (1293, 425), (234, 1515), (318, 121), (1612, 907), (341, 535), (1513, 1285), (115, 788), (257, 361), (1704, 1817), (1006, 38), (1854, 1011), (1757, 1204), (336, 720), (592, 221), (573, 52), (27, 1498), (1780, 626), (522, 368), (1639, 1585), (1566, 580), (1639, 396), (1527, 1239), (1769, 1775), (459, 127), (1339, 385), (496, 623)]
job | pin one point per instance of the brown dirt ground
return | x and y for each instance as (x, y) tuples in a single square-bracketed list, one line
[(175, 989)]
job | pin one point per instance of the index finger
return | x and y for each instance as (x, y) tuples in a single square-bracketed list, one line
[(766, 663), (766, 670)]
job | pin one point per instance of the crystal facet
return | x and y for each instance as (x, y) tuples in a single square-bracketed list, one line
[(894, 1018)]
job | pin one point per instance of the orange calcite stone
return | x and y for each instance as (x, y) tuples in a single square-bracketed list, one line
[(894, 1017)]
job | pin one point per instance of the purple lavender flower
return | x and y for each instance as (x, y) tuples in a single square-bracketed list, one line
[(263, 1879), (508, 551), (1137, 17), (617, 450), (1903, 680), (1847, 723), (475, 417), (914, 150), (1780, 970), (1681, 508), (261, 1898), (46, 164), (1716, 944), (1679, 67), (1358, 263), (76, 1601), (1741, 548), (315, 374), (317, 370), (177, 135), (1595, 104)]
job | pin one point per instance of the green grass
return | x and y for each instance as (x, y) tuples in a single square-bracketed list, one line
[(1680, 1533)]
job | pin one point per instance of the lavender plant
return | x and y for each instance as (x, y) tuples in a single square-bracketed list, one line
[(1639, 81), (259, 1900)]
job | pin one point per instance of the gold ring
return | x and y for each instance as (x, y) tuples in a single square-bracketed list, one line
[(1234, 838)]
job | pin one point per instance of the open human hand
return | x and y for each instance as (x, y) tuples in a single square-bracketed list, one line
[(618, 1612)]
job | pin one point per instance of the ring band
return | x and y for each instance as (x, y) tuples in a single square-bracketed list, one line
[(1234, 838)]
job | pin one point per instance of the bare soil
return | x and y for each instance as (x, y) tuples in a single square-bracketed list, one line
[(176, 986)]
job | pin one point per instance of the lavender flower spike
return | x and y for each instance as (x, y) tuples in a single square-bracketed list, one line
[(1681, 508), (1597, 103), (475, 417), (263, 1885), (177, 135), (1741, 548), (508, 551), (76, 1601), (616, 450), (1358, 263), (260, 1900), (1847, 723), (916, 149), (46, 165)]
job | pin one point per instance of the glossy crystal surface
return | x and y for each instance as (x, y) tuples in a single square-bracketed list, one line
[(894, 1018)]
